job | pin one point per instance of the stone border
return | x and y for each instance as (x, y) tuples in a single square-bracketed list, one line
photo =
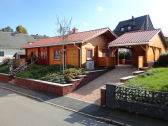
[(55, 88)]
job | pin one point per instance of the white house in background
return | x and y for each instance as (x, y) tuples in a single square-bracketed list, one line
[(10, 43)]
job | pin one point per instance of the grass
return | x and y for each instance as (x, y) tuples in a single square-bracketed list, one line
[(154, 79), (4, 69)]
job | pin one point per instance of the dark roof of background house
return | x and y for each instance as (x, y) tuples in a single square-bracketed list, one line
[(138, 23), (14, 40), (38, 37)]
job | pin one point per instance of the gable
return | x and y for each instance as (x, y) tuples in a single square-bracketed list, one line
[(158, 41), (139, 23)]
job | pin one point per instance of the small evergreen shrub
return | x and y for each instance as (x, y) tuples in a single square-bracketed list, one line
[(163, 60)]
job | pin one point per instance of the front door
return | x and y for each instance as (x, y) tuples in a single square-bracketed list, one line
[(43, 56)]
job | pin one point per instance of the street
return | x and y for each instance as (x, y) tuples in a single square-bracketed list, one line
[(17, 110)]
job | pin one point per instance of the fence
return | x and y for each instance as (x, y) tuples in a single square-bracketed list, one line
[(151, 103)]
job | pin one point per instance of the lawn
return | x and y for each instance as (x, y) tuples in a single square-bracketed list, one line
[(51, 73), (154, 79)]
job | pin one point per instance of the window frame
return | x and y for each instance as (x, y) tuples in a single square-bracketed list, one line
[(55, 54), (2, 53), (122, 29), (129, 28), (92, 50)]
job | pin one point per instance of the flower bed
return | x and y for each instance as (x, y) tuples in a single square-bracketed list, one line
[(51, 73), (56, 88)]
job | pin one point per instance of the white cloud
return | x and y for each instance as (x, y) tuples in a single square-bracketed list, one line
[(100, 9), (85, 24)]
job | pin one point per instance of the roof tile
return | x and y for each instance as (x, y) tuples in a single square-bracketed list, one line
[(80, 36), (134, 38)]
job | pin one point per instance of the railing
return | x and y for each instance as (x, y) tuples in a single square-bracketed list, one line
[(21, 68), (151, 103), (106, 61)]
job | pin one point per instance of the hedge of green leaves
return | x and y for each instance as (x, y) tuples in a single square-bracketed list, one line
[(124, 55), (163, 60)]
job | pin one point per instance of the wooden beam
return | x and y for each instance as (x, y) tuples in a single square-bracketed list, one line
[(144, 48), (114, 49), (154, 51)]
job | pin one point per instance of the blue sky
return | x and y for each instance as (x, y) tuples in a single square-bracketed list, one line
[(39, 16)]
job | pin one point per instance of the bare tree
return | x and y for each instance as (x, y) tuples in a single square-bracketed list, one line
[(63, 29)]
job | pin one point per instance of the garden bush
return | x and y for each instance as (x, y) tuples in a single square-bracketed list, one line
[(124, 55), (54, 77), (4, 69), (163, 60)]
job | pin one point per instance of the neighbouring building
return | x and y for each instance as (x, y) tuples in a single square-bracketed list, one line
[(10, 44), (75, 50), (141, 23)]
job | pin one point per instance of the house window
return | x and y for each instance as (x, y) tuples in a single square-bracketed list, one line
[(57, 54), (89, 54), (122, 29), (129, 28), (1, 53), (43, 54)]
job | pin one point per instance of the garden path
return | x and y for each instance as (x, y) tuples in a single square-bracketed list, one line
[(91, 92)]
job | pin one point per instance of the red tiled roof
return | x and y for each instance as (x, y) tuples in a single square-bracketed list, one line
[(134, 38), (72, 38)]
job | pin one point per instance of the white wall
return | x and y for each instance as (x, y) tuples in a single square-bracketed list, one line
[(9, 53)]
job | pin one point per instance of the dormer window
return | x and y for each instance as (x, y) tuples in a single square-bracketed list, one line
[(122, 29), (129, 28)]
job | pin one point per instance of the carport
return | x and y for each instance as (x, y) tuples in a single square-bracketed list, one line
[(145, 46)]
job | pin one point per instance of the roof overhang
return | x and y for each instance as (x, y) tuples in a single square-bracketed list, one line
[(55, 44), (127, 44)]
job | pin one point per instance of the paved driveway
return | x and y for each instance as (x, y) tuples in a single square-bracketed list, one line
[(91, 91)]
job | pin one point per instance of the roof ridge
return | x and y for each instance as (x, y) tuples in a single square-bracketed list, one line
[(76, 33), (142, 31), (134, 18), (93, 30)]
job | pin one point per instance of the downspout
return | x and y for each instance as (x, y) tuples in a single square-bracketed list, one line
[(80, 55)]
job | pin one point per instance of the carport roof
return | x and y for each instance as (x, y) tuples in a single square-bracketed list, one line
[(134, 38)]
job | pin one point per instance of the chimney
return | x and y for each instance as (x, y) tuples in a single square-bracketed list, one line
[(74, 30), (132, 17)]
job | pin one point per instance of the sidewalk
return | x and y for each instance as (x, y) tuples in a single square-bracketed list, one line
[(116, 116)]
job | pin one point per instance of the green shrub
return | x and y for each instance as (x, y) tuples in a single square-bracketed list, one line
[(75, 72), (163, 60), (54, 77), (4, 69), (124, 55), (25, 74)]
